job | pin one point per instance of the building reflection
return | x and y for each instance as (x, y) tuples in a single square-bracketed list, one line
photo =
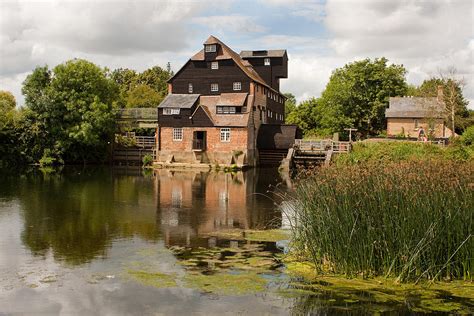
[(193, 205)]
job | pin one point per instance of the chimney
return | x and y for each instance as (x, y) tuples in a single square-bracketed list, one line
[(440, 93)]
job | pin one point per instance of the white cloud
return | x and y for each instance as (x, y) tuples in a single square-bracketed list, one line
[(234, 23)]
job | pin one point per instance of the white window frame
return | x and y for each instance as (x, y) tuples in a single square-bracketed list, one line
[(215, 65), (177, 134), (214, 87), (225, 135), (190, 88), (171, 111), (237, 86), (267, 62), (210, 48)]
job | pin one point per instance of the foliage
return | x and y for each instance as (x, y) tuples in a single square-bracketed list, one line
[(7, 101), (290, 104), (47, 160), (467, 137), (452, 97), (147, 160), (143, 96), (408, 220), (398, 151), (74, 106)]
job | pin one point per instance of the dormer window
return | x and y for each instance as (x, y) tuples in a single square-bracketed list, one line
[(212, 48), (215, 65), (266, 61)]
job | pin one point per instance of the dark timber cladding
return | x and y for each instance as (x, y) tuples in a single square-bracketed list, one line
[(217, 103)]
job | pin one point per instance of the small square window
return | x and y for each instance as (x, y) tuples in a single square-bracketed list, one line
[(225, 134), (190, 88), (215, 65), (237, 86), (177, 134), (210, 48), (266, 61), (170, 111), (214, 87)]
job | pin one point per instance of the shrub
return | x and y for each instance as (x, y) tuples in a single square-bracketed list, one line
[(467, 137), (47, 160), (147, 160)]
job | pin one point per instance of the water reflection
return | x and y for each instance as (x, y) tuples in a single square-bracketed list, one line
[(78, 213)]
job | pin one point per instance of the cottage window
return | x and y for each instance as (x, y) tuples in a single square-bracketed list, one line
[(170, 111), (266, 61), (215, 65), (211, 48), (225, 134), (237, 86), (177, 134), (214, 87), (190, 88)]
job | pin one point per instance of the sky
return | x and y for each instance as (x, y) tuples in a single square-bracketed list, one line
[(426, 36)]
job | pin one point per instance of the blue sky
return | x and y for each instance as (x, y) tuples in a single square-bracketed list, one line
[(425, 36)]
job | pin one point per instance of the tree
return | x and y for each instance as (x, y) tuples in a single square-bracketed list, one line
[(143, 96), (74, 106), (290, 104), (358, 94), (456, 111), (7, 101)]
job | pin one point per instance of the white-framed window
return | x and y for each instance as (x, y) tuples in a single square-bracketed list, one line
[(215, 65), (237, 86), (214, 87), (177, 134), (225, 134), (190, 88), (226, 110), (211, 48), (266, 61), (170, 111)]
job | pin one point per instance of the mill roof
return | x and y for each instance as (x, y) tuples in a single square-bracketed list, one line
[(262, 53)]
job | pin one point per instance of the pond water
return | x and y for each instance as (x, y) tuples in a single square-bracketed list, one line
[(118, 241)]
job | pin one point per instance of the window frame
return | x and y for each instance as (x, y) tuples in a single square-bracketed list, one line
[(214, 65), (237, 86), (190, 87), (225, 135), (210, 48), (177, 134), (171, 111), (267, 62), (216, 86)]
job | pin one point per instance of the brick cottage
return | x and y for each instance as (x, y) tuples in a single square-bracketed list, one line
[(219, 103)]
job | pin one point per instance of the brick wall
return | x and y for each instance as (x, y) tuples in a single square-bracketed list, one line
[(238, 139), (396, 126)]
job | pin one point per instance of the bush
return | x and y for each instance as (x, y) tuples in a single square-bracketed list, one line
[(467, 137), (47, 160), (147, 160)]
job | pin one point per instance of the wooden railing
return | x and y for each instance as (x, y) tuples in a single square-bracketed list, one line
[(322, 146), (145, 141)]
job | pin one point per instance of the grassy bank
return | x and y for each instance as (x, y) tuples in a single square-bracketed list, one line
[(410, 220), (397, 151)]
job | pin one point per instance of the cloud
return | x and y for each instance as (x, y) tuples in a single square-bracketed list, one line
[(233, 23)]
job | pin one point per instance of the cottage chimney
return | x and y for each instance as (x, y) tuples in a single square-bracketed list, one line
[(440, 93)]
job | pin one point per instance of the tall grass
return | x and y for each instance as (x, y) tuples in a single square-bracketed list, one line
[(408, 220)]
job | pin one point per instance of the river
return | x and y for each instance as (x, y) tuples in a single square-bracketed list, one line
[(123, 241)]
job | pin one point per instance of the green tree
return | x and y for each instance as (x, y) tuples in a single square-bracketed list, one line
[(143, 96), (358, 94), (290, 104), (74, 106), (125, 79), (457, 113), (156, 78), (7, 101)]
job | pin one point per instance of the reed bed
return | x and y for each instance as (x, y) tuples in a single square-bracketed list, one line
[(410, 220)]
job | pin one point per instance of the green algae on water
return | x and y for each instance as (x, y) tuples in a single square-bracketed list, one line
[(155, 279), (226, 283)]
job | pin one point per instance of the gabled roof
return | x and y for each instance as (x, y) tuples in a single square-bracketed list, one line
[(232, 99), (183, 101), (414, 107), (226, 53), (263, 53)]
